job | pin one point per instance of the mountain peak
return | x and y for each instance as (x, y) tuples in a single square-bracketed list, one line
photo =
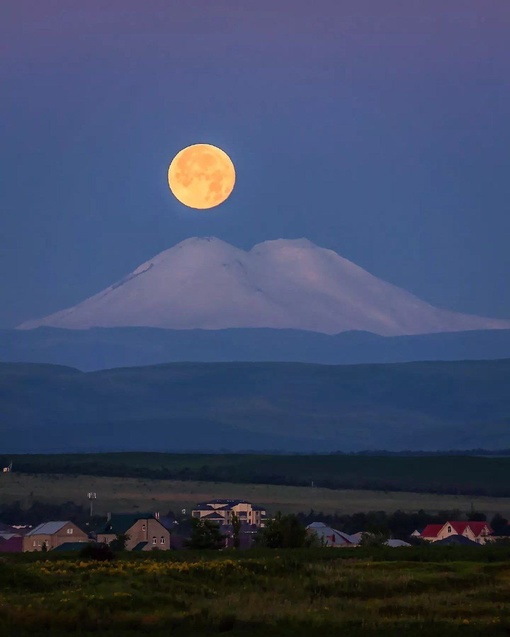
[(287, 243), (206, 283), (201, 241)]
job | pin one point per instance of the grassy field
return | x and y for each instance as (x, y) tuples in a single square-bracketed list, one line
[(258, 594), (130, 494), (470, 475)]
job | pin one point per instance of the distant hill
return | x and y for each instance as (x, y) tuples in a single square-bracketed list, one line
[(103, 348), (256, 406)]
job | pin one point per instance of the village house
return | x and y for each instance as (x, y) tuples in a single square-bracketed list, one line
[(221, 512), (144, 530), (329, 536), (11, 542), (52, 534), (479, 532)]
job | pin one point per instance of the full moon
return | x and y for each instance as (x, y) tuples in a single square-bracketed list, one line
[(201, 176)]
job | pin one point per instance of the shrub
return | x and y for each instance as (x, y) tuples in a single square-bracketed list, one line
[(119, 543), (284, 531), (98, 552), (205, 535)]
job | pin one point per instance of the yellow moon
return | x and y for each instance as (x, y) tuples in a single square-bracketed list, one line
[(201, 176)]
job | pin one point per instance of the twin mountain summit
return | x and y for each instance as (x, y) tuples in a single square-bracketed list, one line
[(285, 300), (283, 284)]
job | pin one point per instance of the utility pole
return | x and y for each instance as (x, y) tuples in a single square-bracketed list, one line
[(91, 496)]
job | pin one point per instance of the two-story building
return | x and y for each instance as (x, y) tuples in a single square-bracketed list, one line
[(221, 512), (144, 530), (479, 532), (49, 535)]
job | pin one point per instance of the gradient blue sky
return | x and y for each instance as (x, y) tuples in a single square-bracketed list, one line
[(377, 128)]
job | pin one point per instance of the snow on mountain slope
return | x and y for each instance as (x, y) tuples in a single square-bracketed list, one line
[(206, 283)]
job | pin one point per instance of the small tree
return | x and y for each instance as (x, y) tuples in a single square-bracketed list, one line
[(476, 516), (119, 543), (374, 539), (499, 524), (100, 552), (205, 535), (236, 531), (284, 531)]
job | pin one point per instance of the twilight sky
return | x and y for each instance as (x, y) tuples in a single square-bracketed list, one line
[(377, 128)]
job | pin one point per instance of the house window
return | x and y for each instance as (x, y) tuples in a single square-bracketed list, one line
[(449, 529), (144, 526), (69, 531), (35, 543), (162, 541), (154, 540)]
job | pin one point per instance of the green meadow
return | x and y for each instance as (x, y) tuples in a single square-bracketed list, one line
[(132, 494), (354, 592), (447, 474)]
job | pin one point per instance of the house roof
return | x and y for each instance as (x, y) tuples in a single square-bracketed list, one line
[(212, 516), (140, 546), (122, 522), (432, 530), (356, 538), (48, 528), (225, 504), (455, 540), (168, 522), (70, 546), (476, 526), (8, 536), (396, 543), (330, 535)]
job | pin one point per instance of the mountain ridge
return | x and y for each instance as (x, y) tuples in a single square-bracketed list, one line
[(102, 348), (205, 283), (427, 406)]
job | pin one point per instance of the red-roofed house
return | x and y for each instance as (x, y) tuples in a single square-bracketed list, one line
[(479, 532)]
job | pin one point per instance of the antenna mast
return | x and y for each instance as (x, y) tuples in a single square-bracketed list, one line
[(91, 496)]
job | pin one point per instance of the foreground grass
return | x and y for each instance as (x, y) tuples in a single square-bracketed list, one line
[(130, 494), (260, 593)]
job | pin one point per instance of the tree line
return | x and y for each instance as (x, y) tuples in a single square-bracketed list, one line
[(456, 475)]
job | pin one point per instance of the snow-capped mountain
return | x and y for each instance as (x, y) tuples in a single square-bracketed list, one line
[(206, 283)]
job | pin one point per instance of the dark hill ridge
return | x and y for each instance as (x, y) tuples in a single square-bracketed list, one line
[(256, 406), (103, 348)]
